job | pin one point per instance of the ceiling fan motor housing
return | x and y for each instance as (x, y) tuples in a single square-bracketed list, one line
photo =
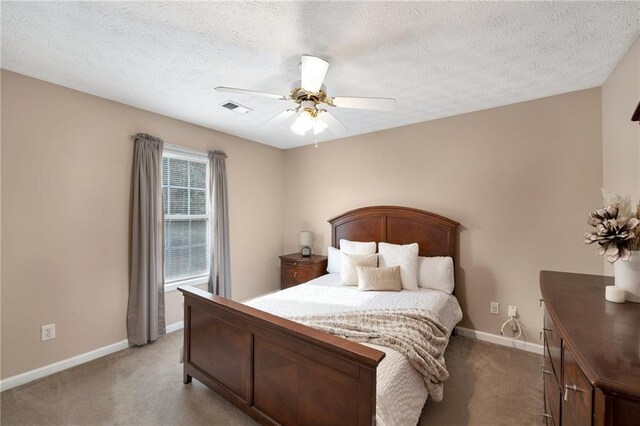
[(310, 107), (299, 95)]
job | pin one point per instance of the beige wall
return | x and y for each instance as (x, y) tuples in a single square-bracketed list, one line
[(520, 179), (620, 136), (1, 232), (66, 198)]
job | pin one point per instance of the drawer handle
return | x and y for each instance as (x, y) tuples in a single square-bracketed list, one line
[(295, 274), (548, 330), (568, 388), (543, 371), (546, 416), (295, 263)]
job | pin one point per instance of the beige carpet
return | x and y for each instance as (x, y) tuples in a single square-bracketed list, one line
[(489, 385)]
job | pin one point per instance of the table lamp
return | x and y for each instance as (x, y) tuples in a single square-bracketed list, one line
[(306, 239)]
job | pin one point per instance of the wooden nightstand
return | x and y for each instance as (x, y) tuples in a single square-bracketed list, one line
[(295, 269)]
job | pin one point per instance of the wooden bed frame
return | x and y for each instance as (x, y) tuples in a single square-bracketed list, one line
[(282, 372)]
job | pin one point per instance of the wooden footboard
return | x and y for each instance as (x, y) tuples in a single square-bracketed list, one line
[(276, 370)]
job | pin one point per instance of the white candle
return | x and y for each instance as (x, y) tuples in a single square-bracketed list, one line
[(614, 294)]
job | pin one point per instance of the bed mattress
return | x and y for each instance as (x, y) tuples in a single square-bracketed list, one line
[(401, 392)]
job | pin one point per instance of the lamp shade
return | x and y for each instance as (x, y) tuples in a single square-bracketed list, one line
[(306, 238), (303, 123)]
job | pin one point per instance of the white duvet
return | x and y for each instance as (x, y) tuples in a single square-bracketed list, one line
[(401, 392)]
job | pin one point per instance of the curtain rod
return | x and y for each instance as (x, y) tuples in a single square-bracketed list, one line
[(174, 146)]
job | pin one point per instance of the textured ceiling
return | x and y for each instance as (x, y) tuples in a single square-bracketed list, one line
[(437, 59)]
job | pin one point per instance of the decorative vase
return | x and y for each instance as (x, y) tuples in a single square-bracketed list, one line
[(627, 276)]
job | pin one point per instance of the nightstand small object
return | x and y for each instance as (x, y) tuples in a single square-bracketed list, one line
[(295, 269)]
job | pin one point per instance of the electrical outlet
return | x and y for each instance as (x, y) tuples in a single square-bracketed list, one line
[(48, 332), (494, 308), (513, 311)]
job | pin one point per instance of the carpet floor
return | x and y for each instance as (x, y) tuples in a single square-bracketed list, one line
[(489, 385)]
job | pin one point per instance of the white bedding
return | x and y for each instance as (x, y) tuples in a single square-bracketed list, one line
[(401, 392)]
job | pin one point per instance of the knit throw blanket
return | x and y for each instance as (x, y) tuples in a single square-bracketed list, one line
[(415, 333)]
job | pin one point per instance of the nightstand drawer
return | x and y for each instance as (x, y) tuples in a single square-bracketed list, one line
[(287, 284), (295, 269), (296, 274)]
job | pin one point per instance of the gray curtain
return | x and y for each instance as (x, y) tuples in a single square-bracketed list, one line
[(220, 274), (145, 315)]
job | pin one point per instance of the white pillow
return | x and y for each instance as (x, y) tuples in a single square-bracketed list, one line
[(436, 273), (334, 261), (404, 256), (349, 273), (356, 247)]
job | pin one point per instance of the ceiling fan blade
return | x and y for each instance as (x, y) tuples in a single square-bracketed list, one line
[(334, 125), (280, 117), (378, 104), (313, 71), (250, 92)]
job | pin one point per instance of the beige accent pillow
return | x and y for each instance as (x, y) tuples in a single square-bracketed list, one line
[(379, 279), (349, 272)]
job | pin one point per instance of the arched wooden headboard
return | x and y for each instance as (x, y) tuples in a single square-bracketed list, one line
[(434, 234)]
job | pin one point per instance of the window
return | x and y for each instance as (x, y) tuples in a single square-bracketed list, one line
[(185, 187)]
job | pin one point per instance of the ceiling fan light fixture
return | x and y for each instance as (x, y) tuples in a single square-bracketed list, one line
[(298, 129), (303, 123), (319, 126)]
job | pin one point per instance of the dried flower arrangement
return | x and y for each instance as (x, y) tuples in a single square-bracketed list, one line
[(616, 227)]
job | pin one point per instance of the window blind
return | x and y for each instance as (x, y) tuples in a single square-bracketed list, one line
[(186, 226)]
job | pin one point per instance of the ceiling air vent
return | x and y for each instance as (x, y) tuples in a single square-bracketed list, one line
[(235, 107)]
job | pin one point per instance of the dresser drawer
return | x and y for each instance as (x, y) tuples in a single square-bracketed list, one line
[(553, 343), (547, 417), (296, 274), (551, 391), (577, 402)]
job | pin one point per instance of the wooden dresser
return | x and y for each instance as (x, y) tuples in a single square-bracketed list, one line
[(591, 365), (295, 269)]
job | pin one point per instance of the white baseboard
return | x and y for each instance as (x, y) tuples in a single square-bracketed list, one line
[(175, 326), (21, 379), (38, 373), (501, 340)]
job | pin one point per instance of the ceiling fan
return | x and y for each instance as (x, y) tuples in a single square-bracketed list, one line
[(311, 95)]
